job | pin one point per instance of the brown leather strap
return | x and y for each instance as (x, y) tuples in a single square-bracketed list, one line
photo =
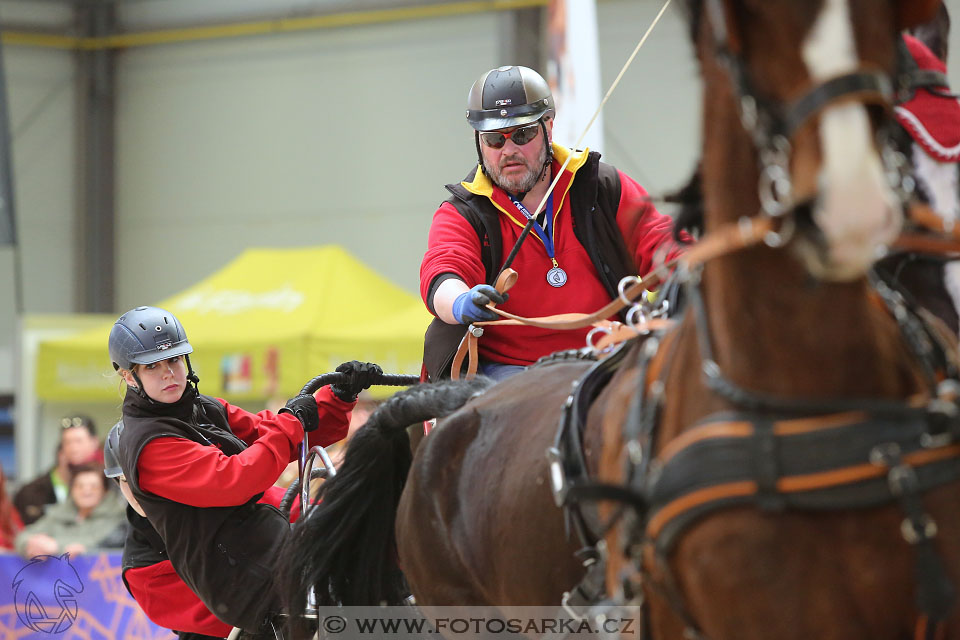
[(729, 238), (619, 332), (468, 344), (460, 355), (925, 243), (576, 320), (922, 214)]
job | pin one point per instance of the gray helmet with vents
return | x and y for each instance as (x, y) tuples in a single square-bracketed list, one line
[(145, 335), (111, 452), (508, 97)]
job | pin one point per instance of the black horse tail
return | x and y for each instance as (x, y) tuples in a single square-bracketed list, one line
[(345, 547)]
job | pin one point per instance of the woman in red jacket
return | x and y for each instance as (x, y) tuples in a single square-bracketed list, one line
[(197, 465)]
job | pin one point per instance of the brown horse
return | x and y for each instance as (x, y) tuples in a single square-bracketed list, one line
[(476, 522), (784, 335), (792, 479)]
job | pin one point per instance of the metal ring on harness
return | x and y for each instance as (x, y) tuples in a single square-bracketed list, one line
[(776, 239), (631, 318), (316, 451), (622, 287), (593, 332), (776, 187), (924, 529)]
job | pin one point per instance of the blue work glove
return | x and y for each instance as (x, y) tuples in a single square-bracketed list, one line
[(304, 407), (470, 306), (361, 375)]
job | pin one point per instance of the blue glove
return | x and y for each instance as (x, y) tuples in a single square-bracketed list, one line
[(470, 306)]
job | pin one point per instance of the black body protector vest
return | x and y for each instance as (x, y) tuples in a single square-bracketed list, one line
[(143, 546), (594, 202), (226, 555)]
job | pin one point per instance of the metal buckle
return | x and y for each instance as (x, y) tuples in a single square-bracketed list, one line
[(925, 530), (558, 482)]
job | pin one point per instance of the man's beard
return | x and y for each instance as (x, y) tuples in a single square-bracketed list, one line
[(521, 184)]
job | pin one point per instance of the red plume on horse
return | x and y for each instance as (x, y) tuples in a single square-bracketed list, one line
[(782, 464)]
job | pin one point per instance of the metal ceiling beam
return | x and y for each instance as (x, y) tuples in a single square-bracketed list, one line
[(96, 95), (274, 25)]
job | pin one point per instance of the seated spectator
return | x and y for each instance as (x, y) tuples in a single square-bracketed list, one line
[(91, 514), (78, 445), (10, 522)]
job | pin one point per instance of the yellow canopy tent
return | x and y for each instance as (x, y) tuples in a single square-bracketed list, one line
[(262, 326)]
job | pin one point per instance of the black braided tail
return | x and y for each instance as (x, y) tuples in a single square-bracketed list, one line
[(345, 547)]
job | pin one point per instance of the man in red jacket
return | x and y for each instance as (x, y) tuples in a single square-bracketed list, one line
[(597, 226)]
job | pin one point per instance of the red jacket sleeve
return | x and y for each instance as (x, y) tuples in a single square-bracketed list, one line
[(200, 475), (647, 232), (334, 418), (170, 603), (333, 412), (453, 246)]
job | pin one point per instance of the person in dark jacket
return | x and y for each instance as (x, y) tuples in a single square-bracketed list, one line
[(91, 514), (597, 226), (78, 445), (197, 465)]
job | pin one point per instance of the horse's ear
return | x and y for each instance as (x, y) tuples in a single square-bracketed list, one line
[(911, 13)]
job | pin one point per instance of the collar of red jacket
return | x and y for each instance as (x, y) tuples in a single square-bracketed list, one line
[(482, 186), (933, 120)]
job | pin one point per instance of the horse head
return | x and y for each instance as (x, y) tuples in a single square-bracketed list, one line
[(797, 102), (811, 85)]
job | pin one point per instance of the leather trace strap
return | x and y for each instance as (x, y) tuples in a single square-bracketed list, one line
[(725, 240), (945, 241)]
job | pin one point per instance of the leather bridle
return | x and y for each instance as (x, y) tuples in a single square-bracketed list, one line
[(772, 124)]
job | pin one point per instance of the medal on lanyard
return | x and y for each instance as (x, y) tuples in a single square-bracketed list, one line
[(556, 277)]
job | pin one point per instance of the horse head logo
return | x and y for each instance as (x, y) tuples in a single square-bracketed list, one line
[(45, 593)]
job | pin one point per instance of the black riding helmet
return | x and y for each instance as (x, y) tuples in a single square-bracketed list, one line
[(111, 449), (145, 335), (506, 97)]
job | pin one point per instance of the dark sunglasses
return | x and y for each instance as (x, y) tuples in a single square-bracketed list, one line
[(520, 136)]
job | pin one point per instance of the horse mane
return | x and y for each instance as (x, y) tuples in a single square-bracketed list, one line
[(690, 199), (693, 10), (935, 33), (345, 546)]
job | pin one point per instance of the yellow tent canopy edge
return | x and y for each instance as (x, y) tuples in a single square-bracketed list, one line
[(261, 327)]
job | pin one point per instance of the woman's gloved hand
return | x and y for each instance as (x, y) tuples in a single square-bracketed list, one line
[(360, 376), (470, 306), (304, 407)]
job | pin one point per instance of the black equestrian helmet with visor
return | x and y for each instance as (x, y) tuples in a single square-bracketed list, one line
[(145, 335), (509, 97)]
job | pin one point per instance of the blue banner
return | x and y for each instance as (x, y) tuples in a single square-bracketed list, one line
[(70, 598)]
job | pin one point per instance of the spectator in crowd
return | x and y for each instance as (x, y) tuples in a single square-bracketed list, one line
[(78, 445), (91, 514), (10, 522)]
